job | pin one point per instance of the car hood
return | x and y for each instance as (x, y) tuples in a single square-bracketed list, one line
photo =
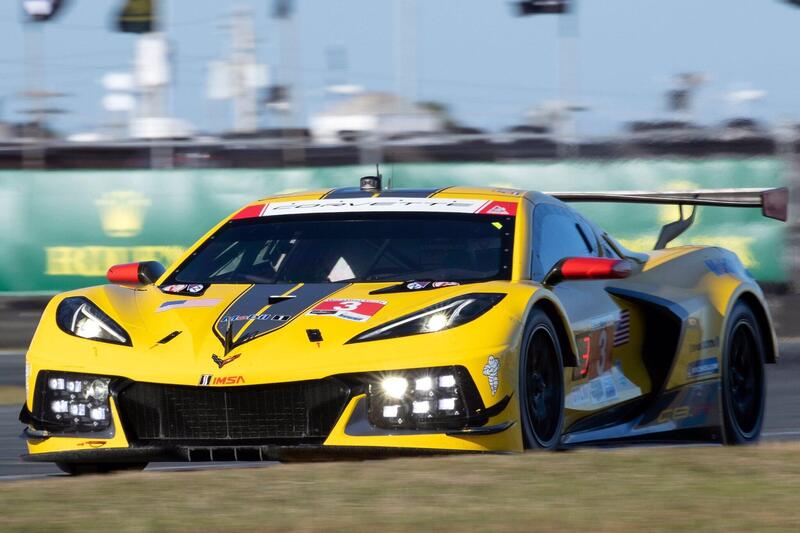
[(238, 315), (273, 326)]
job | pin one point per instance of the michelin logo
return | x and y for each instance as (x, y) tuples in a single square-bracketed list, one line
[(490, 371), (703, 367)]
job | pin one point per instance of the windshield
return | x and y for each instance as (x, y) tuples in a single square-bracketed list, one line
[(337, 248)]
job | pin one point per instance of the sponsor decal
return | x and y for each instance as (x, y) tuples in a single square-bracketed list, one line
[(504, 190), (674, 414), (264, 316), (190, 289), (207, 380), (703, 367), (490, 370), (381, 204), (179, 304), (251, 211), (706, 344), (92, 443), (612, 386), (349, 309), (420, 285), (440, 284), (222, 361), (499, 208), (416, 286), (228, 380)]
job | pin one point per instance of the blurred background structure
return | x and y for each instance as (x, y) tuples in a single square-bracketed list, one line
[(128, 128)]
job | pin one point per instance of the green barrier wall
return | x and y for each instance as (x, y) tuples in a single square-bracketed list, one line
[(62, 229)]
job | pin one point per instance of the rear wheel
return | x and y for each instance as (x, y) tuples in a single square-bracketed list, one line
[(541, 384), (79, 469), (743, 383)]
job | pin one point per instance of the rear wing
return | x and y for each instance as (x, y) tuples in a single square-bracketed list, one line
[(773, 203)]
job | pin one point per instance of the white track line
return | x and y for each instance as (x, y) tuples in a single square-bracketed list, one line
[(19, 477), (791, 433), (188, 467)]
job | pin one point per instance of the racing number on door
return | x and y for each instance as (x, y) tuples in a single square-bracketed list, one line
[(594, 354), (586, 351)]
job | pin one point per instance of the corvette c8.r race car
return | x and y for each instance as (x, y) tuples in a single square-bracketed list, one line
[(362, 322)]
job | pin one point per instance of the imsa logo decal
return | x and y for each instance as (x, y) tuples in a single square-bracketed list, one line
[(207, 380)]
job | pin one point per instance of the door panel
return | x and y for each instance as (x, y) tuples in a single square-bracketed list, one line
[(608, 330)]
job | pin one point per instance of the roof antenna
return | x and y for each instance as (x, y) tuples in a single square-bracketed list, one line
[(372, 183)]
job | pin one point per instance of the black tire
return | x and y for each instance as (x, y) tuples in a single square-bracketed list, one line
[(541, 384), (79, 469), (743, 377)]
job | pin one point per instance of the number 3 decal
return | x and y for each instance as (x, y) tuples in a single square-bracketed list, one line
[(347, 306)]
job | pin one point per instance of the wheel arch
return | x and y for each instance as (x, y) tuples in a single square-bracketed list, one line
[(558, 316), (759, 308)]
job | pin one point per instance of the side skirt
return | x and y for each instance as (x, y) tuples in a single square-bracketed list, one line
[(688, 413)]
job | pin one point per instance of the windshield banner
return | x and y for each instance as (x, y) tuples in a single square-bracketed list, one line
[(383, 205)]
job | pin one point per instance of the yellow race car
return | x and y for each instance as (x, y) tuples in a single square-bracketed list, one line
[(364, 322)]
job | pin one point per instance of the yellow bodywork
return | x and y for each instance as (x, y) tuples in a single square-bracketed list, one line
[(286, 354)]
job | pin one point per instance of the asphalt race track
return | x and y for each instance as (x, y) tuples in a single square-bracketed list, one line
[(782, 420)]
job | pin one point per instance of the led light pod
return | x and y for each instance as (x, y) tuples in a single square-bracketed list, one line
[(66, 402), (430, 399)]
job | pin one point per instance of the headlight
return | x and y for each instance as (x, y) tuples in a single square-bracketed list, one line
[(431, 398), (444, 315), (72, 402), (80, 317)]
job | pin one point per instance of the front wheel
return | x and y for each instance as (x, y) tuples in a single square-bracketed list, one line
[(541, 384), (79, 469), (743, 383)]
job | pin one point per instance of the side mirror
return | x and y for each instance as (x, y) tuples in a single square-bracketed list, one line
[(144, 273), (576, 268)]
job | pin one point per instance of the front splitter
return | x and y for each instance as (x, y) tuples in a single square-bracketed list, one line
[(299, 453)]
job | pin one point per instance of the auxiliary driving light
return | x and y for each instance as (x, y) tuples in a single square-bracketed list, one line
[(421, 408), (434, 398), (67, 402), (424, 384), (395, 387)]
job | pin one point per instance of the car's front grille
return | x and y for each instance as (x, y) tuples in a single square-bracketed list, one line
[(305, 411)]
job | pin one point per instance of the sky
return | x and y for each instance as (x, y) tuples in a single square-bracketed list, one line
[(486, 64)]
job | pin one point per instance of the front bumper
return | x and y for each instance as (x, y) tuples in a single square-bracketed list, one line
[(352, 436), (356, 437)]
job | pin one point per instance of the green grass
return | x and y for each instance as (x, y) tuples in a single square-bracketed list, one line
[(706, 488), (10, 395)]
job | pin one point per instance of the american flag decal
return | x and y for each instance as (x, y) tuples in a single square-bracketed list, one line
[(623, 332)]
